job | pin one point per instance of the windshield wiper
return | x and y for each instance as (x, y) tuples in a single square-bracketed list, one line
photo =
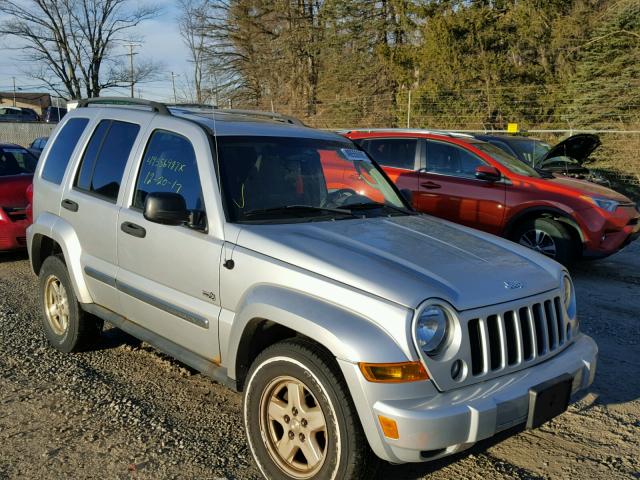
[(373, 205), (297, 209)]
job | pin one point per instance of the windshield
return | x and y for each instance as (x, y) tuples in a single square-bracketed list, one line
[(511, 162), (16, 161), (531, 150), (298, 179)]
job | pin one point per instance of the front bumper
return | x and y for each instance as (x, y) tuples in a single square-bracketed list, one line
[(440, 424), (605, 235), (13, 234)]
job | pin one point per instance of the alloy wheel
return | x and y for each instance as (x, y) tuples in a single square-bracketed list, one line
[(540, 241), (56, 305), (294, 427)]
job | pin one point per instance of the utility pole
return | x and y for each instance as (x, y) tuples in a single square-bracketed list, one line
[(409, 111), (173, 80), (131, 72), (14, 91)]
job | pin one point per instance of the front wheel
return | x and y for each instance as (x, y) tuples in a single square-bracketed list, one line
[(299, 417), (549, 237)]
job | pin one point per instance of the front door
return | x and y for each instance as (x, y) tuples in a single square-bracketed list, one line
[(400, 159), (169, 275), (449, 188)]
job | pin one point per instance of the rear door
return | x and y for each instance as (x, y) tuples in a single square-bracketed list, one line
[(400, 159), (449, 188), (91, 198), (169, 275)]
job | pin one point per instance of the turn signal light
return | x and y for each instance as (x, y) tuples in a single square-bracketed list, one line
[(394, 372), (389, 427)]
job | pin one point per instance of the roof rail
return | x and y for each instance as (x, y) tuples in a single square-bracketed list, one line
[(407, 130), (165, 109), (158, 107), (263, 114)]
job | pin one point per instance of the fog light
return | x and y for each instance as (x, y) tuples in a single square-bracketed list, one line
[(457, 370), (389, 427)]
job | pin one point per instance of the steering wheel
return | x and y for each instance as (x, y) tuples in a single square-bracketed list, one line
[(339, 197)]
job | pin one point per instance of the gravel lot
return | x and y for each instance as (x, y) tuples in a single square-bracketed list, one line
[(126, 411)]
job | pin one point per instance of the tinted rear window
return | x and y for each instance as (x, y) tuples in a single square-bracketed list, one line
[(62, 148), (16, 161), (105, 158)]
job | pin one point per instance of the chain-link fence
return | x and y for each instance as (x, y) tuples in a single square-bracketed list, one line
[(23, 133)]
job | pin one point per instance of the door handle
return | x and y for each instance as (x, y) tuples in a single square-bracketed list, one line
[(431, 185), (70, 205), (133, 229)]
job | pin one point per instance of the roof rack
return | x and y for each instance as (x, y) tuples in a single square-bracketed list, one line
[(262, 114), (407, 130), (165, 108), (157, 107)]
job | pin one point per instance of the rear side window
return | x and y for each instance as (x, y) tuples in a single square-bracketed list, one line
[(169, 165), (16, 161), (105, 158), (395, 153), (62, 148)]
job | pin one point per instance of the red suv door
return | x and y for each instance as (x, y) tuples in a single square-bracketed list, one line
[(449, 188), (401, 159)]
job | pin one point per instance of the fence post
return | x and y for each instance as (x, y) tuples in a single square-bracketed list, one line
[(409, 111)]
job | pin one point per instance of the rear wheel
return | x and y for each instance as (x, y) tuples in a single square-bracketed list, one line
[(299, 417), (549, 237), (67, 327)]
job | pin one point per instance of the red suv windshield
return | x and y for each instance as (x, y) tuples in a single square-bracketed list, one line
[(512, 163)]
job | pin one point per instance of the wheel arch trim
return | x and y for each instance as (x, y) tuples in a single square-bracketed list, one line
[(554, 212), (60, 231), (348, 336)]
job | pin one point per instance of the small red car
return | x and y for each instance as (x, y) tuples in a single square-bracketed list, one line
[(16, 173), (474, 183)]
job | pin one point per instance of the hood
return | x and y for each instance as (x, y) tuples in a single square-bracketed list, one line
[(409, 259), (13, 190), (577, 147), (584, 187)]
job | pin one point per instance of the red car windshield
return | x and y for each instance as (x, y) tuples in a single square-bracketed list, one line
[(16, 161), (509, 161)]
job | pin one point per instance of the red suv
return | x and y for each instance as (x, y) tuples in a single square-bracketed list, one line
[(16, 173), (468, 181)]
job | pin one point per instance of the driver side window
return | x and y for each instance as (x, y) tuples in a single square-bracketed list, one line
[(451, 160), (169, 165)]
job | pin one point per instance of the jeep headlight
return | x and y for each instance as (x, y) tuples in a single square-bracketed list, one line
[(431, 329), (568, 297)]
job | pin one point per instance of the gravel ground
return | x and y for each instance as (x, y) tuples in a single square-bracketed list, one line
[(125, 410)]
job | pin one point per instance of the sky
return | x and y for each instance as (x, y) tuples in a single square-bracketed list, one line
[(161, 42)]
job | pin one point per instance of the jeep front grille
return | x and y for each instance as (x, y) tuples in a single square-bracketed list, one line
[(506, 339)]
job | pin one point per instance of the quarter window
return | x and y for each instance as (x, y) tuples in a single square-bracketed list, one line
[(105, 158), (395, 153), (169, 165), (446, 159), (62, 148)]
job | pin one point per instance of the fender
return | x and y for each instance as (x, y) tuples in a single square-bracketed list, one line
[(346, 334), (563, 216), (58, 229)]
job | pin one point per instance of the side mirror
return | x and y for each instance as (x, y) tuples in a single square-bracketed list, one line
[(487, 173), (166, 208), (407, 194)]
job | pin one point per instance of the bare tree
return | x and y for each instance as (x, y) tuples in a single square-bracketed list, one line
[(192, 24), (69, 42)]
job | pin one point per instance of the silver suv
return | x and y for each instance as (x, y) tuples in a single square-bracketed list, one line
[(281, 261)]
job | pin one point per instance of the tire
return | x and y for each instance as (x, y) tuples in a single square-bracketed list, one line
[(549, 237), (341, 447), (67, 327)]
